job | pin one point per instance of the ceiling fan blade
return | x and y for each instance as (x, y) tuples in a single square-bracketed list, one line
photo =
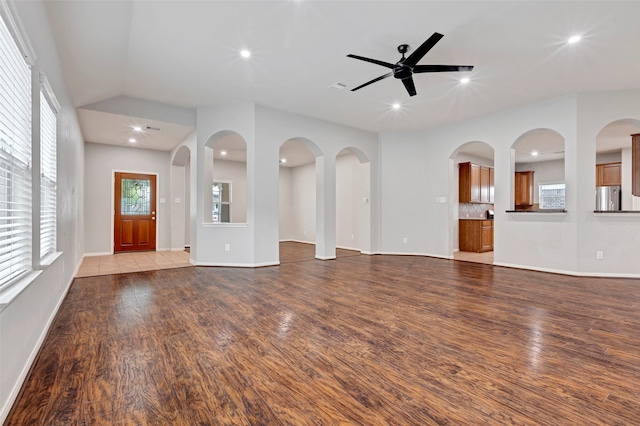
[(417, 54), (411, 88), (441, 68), (373, 81), (373, 61)]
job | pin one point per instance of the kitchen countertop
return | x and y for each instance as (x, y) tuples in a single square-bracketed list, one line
[(538, 211), (474, 218)]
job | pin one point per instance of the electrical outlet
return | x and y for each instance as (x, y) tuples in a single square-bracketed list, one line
[(353, 237), (227, 247), (599, 255), (404, 240)]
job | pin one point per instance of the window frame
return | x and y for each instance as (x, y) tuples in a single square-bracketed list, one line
[(17, 259), (49, 110)]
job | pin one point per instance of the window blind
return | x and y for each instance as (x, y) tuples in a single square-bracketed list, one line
[(15, 161), (48, 177)]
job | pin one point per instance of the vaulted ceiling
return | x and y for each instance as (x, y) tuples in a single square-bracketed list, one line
[(186, 54)]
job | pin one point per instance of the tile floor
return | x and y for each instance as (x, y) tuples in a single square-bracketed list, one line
[(132, 262), (474, 257)]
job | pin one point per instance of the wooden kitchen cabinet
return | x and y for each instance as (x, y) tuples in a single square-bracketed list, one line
[(475, 183), (635, 164), (524, 189), (609, 174), (475, 235)]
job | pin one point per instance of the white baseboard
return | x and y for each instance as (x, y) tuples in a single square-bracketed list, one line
[(393, 253), (348, 248), (571, 273), (235, 265), (325, 257), (101, 253), (297, 241)]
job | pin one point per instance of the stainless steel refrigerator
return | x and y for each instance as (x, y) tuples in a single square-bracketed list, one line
[(608, 198)]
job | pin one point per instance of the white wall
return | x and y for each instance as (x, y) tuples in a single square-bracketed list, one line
[(285, 206), (352, 187), (265, 130), (25, 320), (616, 235), (554, 242), (100, 163), (303, 203), (417, 168)]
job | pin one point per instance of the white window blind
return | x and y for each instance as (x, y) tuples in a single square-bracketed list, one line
[(15, 158), (48, 164)]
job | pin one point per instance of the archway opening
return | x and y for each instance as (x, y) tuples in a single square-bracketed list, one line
[(614, 166), (472, 207), (353, 230), (181, 199), (538, 171), (226, 169), (297, 199)]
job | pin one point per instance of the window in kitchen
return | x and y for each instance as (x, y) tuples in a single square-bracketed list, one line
[(221, 196), (551, 195)]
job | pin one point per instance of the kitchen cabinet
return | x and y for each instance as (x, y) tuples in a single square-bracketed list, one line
[(524, 189), (475, 183), (609, 174), (635, 164), (475, 235)]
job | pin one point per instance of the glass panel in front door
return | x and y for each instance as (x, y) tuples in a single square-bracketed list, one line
[(136, 197)]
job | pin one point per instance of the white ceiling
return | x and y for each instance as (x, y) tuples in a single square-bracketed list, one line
[(186, 53)]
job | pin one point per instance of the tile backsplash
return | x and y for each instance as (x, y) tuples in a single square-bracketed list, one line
[(473, 210)]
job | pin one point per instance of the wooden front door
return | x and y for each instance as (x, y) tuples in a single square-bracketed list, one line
[(135, 212)]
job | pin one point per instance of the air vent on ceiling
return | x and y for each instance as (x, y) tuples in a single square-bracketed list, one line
[(338, 86), (157, 129)]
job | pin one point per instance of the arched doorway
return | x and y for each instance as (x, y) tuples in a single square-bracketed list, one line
[(473, 196), (181, 199), (297, 199), (614, 165), (538, 171), (226, 169), (353, 216)]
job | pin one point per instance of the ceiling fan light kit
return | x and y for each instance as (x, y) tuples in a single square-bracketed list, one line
[(407, 66)]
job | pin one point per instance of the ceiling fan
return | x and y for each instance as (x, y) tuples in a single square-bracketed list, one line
[(406, 67)]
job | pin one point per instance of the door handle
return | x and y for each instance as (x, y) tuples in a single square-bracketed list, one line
[(153, 218)]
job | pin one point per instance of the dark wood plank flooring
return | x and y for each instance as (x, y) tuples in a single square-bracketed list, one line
[(372, 340)]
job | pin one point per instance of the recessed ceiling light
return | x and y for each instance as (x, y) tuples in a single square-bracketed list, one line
[(137, 128), (245, 53), (574, 39), (464, 80), (223, 153), (534, 153), (132, 140), (395, 106), (283, 160)]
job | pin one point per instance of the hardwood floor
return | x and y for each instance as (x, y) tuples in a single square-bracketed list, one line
[(372, 340)]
